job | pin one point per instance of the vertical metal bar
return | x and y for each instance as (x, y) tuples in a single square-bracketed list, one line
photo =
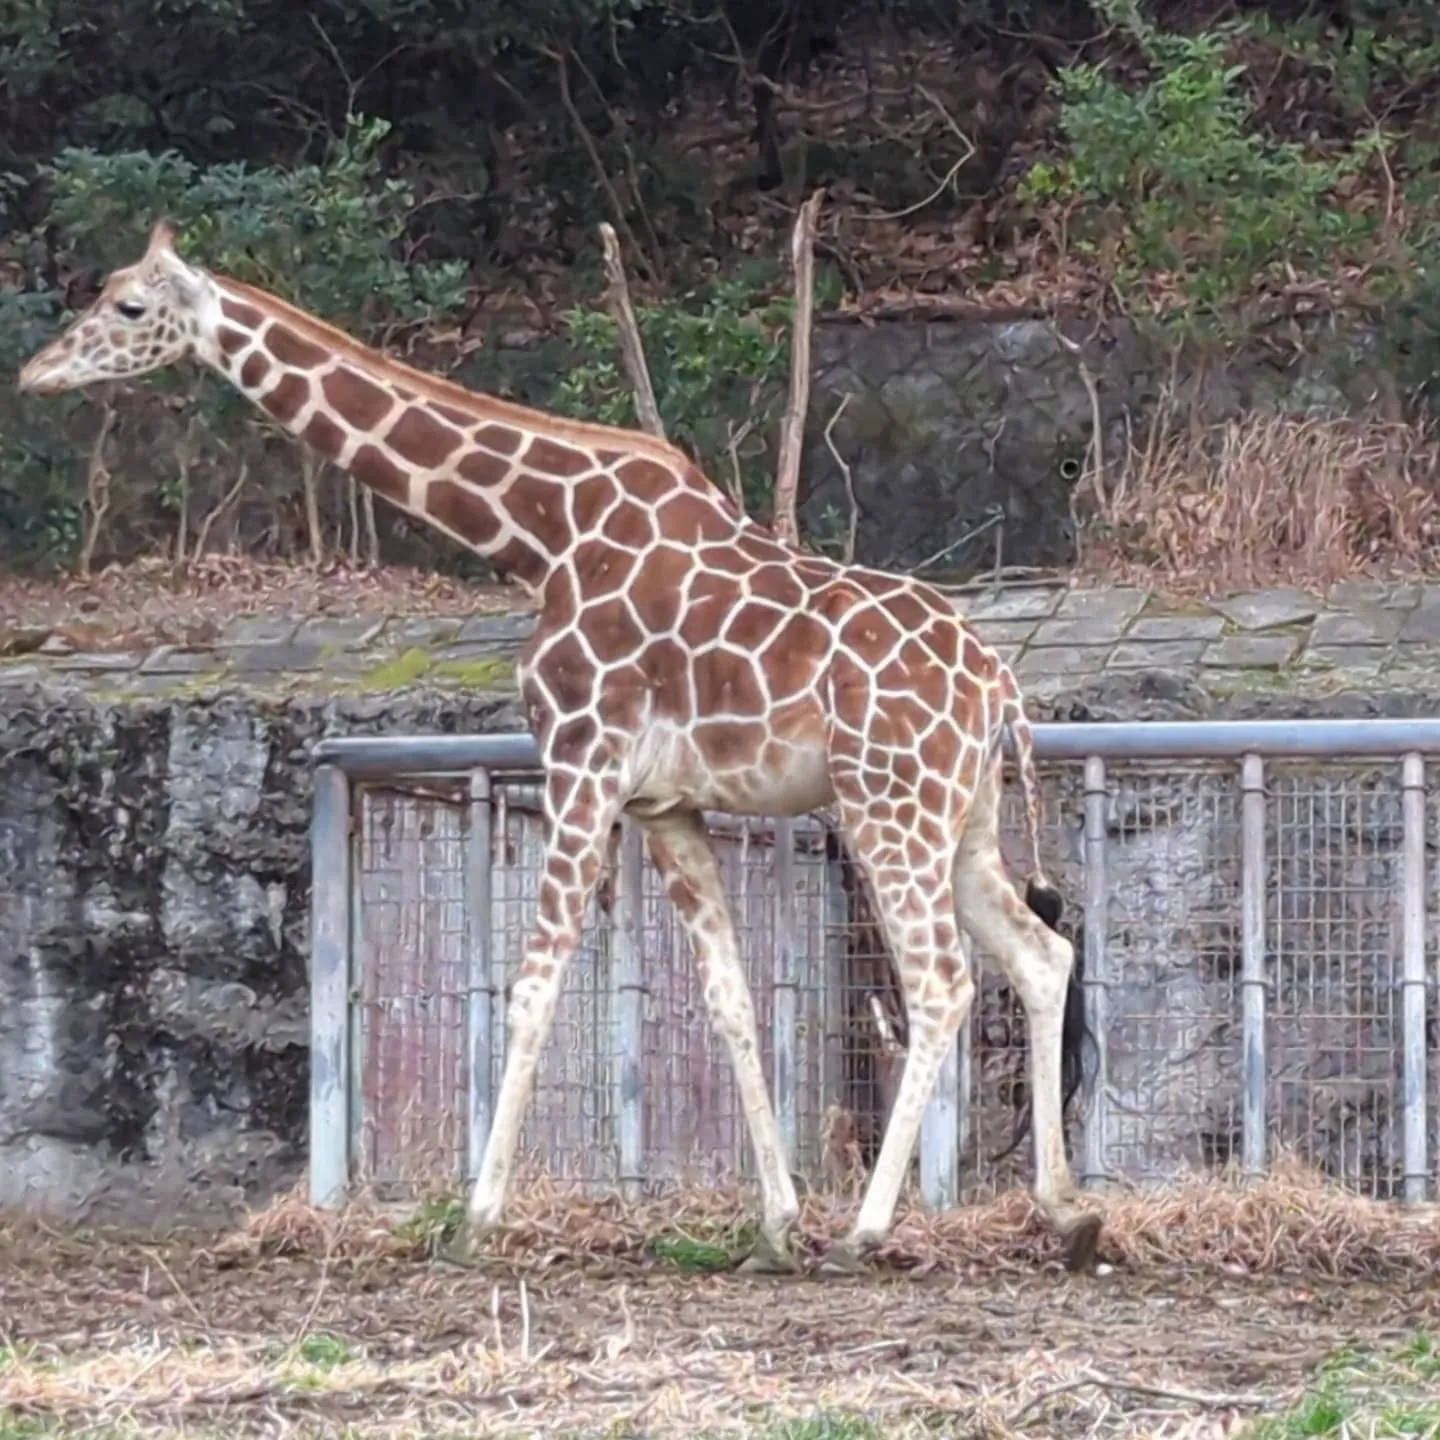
[(329, 987), (965, 1073), (836, 978), (1252, 966), (784, 1013), (628, 1009), (940, 1137), (1097, 978), (1413, 1087), (479, 969)]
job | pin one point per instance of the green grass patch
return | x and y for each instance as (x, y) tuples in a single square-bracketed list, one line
[(1391, 1395)]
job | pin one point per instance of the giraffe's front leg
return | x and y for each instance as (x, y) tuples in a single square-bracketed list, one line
[(682, 854), (580, 809)]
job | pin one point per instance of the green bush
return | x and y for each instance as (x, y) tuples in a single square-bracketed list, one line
[(1173, 176), (325, 236), (718, 358)]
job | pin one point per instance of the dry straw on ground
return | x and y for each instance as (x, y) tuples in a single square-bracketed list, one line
[(1289, 1223), (1266, 498), (303, 1321)]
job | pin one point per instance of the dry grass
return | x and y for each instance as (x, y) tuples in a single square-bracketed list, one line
[(595, 1316), (1267, 498), (1291, 1223)]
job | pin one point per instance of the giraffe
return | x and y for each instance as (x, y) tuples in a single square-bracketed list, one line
[(683, 659)]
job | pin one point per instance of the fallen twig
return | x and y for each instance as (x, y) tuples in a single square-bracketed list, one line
[(632, 349)]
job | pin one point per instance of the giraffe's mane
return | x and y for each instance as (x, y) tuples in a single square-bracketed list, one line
[(435, 387)]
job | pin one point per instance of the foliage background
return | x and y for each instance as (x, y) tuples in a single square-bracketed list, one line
[(430, 174)]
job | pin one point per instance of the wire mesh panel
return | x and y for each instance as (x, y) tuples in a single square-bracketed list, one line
[(1334, 1036), (1320, 969), (408, 1019)]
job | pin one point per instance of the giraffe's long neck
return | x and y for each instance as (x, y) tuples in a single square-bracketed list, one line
[(519, 487)]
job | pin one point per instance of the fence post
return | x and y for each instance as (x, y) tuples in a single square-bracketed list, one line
[(1097, 979), (479, 970), (1252, 965), (784, 1014), (1416, 1120), (629, 1008), (330, 864)]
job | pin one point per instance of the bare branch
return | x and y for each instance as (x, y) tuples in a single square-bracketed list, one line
[(632, 349), (229, 498), (97, 486), (792, 427), (562, 71), (848, 554)]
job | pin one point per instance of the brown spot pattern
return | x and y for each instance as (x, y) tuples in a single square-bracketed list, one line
[(667, 671), (550, 457), (373, 467), (630, 525), (254, 370), (452, 413), (324, 434), (611, 629), (725, 681), (284, 399), (231, 342), (646, 480), (538, 508), (355, 399), (456, 508), (483, 469), (241, 312), (657, 592), (502, 439), (292, 349), (690, 520), (422, 440)]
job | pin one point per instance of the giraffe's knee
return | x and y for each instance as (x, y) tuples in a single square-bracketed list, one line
[(532, 998)]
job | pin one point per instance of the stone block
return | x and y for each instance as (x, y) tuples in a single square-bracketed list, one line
[(1005, 632), (333, 632), (1156, 654), (1027, 604), (1112, 605), (1093, 631), (246, 630), (1176, 627), (1369, 626), (1251, 652), (1264, 609)]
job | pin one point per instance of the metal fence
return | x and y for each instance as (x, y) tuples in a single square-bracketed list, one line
[(1253, 903)]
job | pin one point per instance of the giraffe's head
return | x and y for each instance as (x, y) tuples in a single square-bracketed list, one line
[(144, 318)]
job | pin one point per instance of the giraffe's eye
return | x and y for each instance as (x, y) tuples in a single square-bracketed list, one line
[(129, 309)]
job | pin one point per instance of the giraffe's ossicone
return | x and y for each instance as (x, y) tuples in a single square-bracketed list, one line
[(684, 659)]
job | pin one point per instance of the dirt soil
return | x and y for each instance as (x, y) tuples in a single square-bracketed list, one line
[(187, 1336)]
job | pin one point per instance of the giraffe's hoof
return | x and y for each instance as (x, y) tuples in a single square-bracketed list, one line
[(843, 1259), (768, 1257), (1082, 1239)]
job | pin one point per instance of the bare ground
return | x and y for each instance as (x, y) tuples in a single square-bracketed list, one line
[(298, 1323)]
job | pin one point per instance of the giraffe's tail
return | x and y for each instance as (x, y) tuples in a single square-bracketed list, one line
[(1040, 895), (1077, 1040)]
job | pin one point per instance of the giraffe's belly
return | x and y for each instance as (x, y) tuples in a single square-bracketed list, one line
[(678, 770)]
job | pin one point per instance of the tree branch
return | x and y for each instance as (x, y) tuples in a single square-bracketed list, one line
[(792, 427), (632, 349), (562, 71)]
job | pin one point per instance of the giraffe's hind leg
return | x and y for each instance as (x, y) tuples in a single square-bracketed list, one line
[(913, 885), (1038, 962), (682, 853), (580, 810)]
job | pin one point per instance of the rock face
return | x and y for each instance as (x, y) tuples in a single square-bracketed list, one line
[(154, 940)]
